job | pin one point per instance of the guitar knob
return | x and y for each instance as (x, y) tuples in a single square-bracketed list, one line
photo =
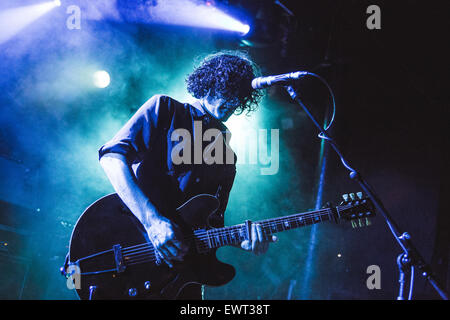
[(345, 197), (132, 292), (147, 285), (359, 195), (352, 196)]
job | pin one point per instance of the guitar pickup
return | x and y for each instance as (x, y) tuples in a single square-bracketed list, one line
[(118, 258)]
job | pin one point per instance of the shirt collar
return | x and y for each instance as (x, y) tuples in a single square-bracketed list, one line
[(198, 109), (199, 112)]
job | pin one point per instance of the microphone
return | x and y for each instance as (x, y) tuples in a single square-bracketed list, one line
[(264, 82)]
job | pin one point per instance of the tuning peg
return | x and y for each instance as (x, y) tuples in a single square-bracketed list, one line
[(352, 196), (368, 222), (359, 195), (345, 197), (354, 224)]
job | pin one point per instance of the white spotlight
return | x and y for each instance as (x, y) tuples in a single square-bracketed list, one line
[(245, 29), (101, 79)]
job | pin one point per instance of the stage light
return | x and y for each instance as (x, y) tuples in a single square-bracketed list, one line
[(57, 3), (245, 29), (183, 13), (101, 79), (14, 20)]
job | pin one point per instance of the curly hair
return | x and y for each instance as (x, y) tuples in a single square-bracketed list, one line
[(227, 75)]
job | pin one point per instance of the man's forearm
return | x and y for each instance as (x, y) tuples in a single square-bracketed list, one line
[(125, 184)]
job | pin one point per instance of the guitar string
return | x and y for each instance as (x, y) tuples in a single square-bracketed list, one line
[(148, 255), (226, 230), (132, 254), (135, 250), (145, 253)]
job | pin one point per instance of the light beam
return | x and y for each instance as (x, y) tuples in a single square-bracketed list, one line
[(14, 20), (189, 13)]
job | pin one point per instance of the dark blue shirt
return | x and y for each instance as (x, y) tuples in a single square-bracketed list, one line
[(145, 141)]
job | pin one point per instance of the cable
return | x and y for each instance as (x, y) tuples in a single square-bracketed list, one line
[(331, 94)]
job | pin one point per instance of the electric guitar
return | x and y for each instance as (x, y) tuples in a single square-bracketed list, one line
[(111, 257)]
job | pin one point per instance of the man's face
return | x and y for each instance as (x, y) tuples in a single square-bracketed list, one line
[(219, 108)]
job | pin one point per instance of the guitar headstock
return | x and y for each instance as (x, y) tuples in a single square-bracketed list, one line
[(356, 209)]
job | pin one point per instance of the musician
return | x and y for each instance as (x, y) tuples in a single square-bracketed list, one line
[(139, 159)]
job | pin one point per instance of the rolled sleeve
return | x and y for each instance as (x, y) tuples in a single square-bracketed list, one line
[(135, 137)]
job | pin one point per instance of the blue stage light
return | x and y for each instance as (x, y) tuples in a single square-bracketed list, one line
[(245, 29), (14, 20), (183, 13)]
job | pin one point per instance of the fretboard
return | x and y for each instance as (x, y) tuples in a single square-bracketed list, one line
[(218, 237)]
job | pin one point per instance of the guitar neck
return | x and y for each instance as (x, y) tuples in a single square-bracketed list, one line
[(215, 238)]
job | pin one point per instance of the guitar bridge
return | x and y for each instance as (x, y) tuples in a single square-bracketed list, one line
[(118, 258)]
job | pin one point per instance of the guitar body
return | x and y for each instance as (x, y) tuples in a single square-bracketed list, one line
[(107, 223), (111, 257)]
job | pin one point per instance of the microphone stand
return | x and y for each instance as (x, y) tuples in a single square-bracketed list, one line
[(403, 264), (410, 253)]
